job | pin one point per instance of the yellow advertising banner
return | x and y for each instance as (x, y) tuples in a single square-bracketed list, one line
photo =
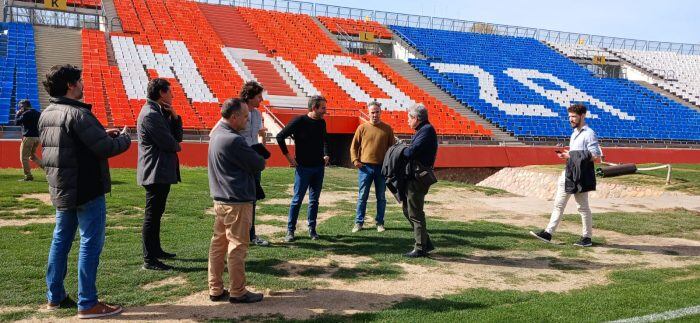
[(56, 4)]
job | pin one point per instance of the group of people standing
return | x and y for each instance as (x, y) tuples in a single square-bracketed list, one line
[(76, 148)]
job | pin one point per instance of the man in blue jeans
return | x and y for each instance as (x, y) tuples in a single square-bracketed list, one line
[(369, 145), (309, 133), (75, 150)]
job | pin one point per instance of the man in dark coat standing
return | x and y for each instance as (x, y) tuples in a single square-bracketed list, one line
[(159, 130)]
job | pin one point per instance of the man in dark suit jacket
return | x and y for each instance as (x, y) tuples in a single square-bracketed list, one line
[(159, 130)]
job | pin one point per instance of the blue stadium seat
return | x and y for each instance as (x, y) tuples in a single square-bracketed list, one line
[(639, 112), (18, 78)]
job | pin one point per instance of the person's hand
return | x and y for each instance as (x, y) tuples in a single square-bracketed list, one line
[(292, 161), (564, 154), (112, 132), (169, 108), (262, 132), (358, 164), (326, 160)]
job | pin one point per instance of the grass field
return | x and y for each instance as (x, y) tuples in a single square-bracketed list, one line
[(482, 270)]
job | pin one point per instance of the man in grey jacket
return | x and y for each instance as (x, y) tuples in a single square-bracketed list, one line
[(232, 168), (159, 130), (75, 150)]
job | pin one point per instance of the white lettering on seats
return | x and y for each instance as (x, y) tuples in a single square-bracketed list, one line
[(564, 98), (133, 60), (398, 100), (489, 93)]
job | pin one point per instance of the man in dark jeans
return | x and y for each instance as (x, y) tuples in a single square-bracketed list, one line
[(28, 118), (159, 130), (75, 149), (423, 149), (309, 133)]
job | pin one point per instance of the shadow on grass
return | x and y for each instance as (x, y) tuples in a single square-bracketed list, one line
[(674, 250)]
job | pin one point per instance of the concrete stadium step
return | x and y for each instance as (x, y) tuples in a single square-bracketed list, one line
[(330, 35), (668, 95), (110, 12), (225, 20), (55, 46), (416, 78)]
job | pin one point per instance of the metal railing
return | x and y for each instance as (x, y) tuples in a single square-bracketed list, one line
[(409, 20), (36, 14)]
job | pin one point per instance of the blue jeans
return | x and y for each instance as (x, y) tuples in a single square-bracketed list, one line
[(368, 174), (90, 218), (310, 178)]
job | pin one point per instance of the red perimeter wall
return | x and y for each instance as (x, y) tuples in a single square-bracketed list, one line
[(195, 154)]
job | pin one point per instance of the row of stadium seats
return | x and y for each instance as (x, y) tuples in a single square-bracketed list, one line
[(523, 86), (682, 72), (18, 75), (355, 27), (347, 81), (582, 51)]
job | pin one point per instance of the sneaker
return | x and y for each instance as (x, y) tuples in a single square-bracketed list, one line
[(313, 235), (584, 242), (380, 228), (100, 310), (542, 235), (220, 298), (26, 179), (357, 227), (67, 302), (416, 254), (289, 237), (248, 297), (166, 255), (259, 242), (156, 265)]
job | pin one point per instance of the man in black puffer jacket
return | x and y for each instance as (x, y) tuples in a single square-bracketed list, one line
[(75, 151)]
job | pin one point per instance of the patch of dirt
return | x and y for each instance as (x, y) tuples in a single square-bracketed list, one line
[(43, 197), (178, 280), (23, 222), (23, 211), (13, 309)]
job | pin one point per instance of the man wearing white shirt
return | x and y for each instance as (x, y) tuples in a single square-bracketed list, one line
[(578, 178)]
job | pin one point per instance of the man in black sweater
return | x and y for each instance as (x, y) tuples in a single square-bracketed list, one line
[(28, 118), (309, 134)]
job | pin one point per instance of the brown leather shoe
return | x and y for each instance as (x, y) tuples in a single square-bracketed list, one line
[(100, 310)]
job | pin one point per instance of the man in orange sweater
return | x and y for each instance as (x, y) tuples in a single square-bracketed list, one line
[(370, 144)]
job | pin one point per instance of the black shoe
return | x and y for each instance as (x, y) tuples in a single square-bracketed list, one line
[(584, 242), (542, 235), (313, 235), (416, 254), (166, 255), (221, 298), (26, 179), (65, 303), (249, 297), (430, 247), (156, 265)]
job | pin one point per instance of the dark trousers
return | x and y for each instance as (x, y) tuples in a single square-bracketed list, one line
[(156, 196), (413, 211), (258, 176)]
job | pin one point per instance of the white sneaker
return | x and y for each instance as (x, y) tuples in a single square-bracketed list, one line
[(357, 227), (380, 228)]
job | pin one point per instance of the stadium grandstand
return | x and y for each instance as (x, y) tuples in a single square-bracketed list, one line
[(483, 84)]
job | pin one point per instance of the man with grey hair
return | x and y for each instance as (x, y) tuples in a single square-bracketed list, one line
[(422, 150), (369, 145), (232, 167)]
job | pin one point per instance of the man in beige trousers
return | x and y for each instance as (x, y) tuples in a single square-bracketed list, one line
[(232, 168)]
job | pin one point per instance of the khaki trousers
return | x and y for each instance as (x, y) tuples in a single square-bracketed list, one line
[(27, 152), (560, 200), (231, 234)]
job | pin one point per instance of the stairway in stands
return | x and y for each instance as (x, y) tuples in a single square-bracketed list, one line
[(231, 28), (409, 73), (55, 46)]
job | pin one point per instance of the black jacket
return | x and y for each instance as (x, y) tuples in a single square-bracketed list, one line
[(29, 120), (424, 145), (75, 148), (396, 170), (159, 142), (580, 172)]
